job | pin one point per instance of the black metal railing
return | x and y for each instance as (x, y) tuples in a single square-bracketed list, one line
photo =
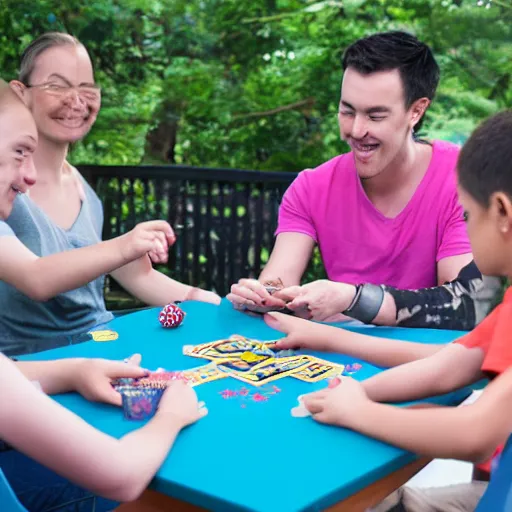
[(224, 219)]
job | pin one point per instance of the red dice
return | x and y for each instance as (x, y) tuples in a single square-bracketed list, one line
[(171, 316)]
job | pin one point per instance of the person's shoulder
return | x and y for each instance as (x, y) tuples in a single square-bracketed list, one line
[(23, 212), (86, 191), (443, 165), (445, 152)]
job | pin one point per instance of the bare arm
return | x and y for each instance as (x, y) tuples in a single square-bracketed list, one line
[(382, 352), (54, 376), (289, 258), (156, 289), (470, 432), (459, 304), (314, 336), (39, 427), (451, 368), (43, 278), (449, 268)]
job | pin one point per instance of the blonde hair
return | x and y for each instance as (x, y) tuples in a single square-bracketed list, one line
[(40, 45)]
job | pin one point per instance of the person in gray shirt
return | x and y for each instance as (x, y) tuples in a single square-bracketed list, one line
[(62, 212), (65, 280)]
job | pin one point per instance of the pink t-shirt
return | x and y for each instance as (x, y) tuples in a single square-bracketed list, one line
[(358, 243)]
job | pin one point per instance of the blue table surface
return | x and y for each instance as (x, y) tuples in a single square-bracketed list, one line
[(254, 458)]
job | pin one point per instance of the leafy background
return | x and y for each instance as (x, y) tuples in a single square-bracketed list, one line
[(254, 84)]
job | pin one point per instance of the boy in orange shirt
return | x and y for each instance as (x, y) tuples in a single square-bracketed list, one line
[(472, 432)]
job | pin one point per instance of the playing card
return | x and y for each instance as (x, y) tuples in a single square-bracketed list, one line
[(140, 403), (231, 348), (318, 369), (264, 372), (202, 374)]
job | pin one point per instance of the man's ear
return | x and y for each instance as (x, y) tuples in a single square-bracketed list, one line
[(502, 206), (19, 88), (418, 109)]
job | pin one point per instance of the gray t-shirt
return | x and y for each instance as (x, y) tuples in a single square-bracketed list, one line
[(30, 326)]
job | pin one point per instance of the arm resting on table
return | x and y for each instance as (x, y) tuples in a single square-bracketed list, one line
[(470, 433), (42, 429), (453, 367)]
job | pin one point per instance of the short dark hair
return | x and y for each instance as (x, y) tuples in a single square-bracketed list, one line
[(485, 162), (386, 51)]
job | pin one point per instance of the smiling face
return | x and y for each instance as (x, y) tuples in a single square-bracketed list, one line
[(18, 140), (374, 120), (62, 95)]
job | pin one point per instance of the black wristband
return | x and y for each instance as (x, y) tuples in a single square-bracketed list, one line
[(366, 304)]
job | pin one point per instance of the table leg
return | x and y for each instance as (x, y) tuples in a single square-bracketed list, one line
[(376, 492), (152, 501)]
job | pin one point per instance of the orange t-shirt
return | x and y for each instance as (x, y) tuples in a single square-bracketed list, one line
[(494, 337)]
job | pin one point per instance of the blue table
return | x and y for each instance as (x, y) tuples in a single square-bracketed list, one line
[(253, 456)]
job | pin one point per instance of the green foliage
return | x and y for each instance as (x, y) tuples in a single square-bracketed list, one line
[(255, 84)]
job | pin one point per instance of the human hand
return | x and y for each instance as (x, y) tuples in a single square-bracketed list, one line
[(93, 378), (153, 238), (300, 333), (251, 295), (203, 296), (340, 405), (179, 401), (320, 300)]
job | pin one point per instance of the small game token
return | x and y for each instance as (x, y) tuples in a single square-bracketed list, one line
[(171, 316), (140, 403), (104, 335)]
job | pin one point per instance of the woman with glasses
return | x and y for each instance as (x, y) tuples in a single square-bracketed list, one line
[(42, 444), (56, 82)]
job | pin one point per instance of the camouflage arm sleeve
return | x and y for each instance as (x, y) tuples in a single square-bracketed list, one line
[(460, 304)]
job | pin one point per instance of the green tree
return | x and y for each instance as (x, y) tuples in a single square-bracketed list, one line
[(255, 83)]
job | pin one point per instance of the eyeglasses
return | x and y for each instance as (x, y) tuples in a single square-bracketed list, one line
[(88, 92)]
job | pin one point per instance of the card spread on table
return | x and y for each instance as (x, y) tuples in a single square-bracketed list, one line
[(257, 362), (230, 348), (266, 371), (318, 369), (203, 374)]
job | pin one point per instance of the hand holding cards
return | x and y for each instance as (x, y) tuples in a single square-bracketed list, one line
[(142, 397), (255, 297)]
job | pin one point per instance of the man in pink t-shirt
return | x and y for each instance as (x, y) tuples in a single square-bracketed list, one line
[(385, 216), (358, 242)]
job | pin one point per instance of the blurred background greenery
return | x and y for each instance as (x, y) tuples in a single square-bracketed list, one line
[(255, 84)]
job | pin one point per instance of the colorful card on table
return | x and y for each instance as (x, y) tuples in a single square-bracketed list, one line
[(202, 374), (264, 372), (230, 348), (318, 369)]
